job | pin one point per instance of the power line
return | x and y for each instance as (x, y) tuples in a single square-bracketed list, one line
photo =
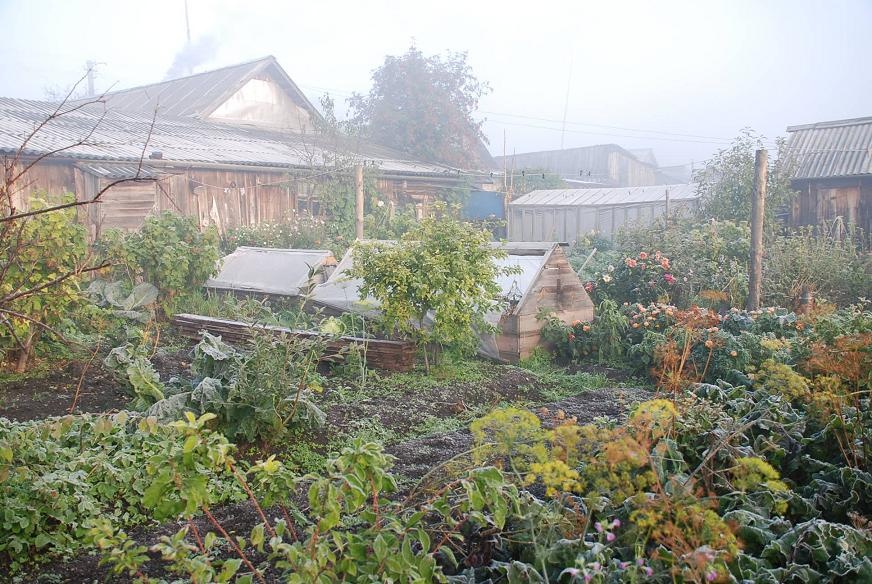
[(624, 128)]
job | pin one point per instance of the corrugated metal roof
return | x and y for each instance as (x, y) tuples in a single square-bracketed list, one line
[(830, 149), (200, 94), (607, 197), (120, 171), (91, 132), (268, 270)]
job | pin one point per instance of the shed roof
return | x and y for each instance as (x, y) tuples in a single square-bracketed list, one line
[(266, 270), (607, 197), (840, 148), (91, 132), (200, 94)]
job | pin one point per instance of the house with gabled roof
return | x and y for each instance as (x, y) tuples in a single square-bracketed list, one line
[(234, 146)]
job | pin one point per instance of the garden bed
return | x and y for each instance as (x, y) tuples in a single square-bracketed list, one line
[(413, 459)]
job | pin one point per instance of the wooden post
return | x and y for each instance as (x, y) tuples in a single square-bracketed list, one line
[(666, 223), (755, 276), (358, 208)]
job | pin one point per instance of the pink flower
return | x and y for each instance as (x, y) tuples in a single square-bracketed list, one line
[(643, 255), (711, 575), (670, 279), (610, 536), (616, 523), (598, 526), (631, 263), (649, 571)]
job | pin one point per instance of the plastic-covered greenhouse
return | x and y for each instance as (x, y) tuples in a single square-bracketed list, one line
[(272, 271), (546, 280)]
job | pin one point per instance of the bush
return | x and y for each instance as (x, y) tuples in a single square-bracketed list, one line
[(257, 394), (643, 277), (297, 231), (169, 252), (45, 255), (441, 268), (711, 259)]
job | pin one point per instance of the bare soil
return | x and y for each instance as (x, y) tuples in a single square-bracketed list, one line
[(45, 394)]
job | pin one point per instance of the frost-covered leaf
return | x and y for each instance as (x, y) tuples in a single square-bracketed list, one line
[(171, 408)]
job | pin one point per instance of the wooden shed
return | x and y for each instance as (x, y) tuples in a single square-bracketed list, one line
[(546, 280), (568, 214), (830, 165)]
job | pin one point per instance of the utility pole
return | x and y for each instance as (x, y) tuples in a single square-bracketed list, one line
[(90, 73), (358, 207), (755, 277)]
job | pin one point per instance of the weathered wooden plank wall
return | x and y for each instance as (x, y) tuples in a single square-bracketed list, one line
[(226, 197)]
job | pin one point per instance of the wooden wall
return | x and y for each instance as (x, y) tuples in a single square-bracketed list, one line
[(558, 288), (823, 201), (227, 198)]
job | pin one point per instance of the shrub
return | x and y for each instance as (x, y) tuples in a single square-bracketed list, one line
[(45, 256), (711, 258), (644, 277), (441, 269), (298, 231), (169, 252), (257, 394)]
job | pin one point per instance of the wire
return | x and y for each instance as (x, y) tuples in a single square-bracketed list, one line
[(606, 126)]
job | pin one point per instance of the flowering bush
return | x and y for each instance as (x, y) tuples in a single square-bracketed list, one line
[(298, 231), (645, 277)]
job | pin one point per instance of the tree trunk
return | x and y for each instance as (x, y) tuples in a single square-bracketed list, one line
[(24, 353)]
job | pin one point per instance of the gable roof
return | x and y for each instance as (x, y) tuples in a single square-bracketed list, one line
[(200, 94), (840, 148)]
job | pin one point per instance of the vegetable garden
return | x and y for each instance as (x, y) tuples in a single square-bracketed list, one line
[(673, 438)]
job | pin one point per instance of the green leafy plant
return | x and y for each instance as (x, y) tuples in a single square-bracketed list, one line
[(170, 252), (254, 394), (42, 260), (441, 269)]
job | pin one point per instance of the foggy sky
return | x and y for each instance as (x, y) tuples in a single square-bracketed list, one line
[(701, 69)]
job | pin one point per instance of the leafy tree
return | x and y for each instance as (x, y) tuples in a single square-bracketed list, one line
[(726, 183), (443, 267), (42, 260), (424, 106)]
